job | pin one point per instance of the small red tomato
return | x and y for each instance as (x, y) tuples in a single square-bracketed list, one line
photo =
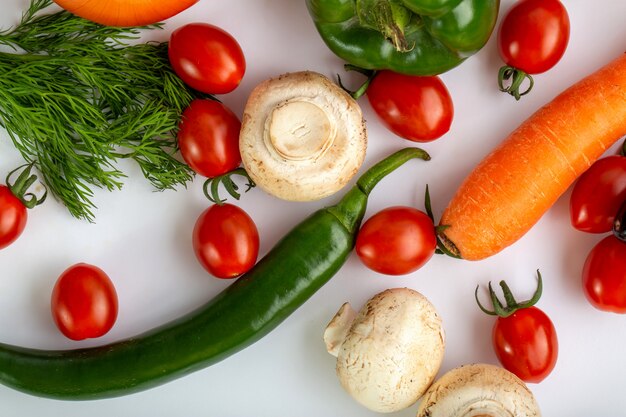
[(598, 194), (526, 344), (415, 108), (208, 138), (604, 275), (13, 216), (226, 241), (534, 35), (206, 58), (84, 302), (397, 240)]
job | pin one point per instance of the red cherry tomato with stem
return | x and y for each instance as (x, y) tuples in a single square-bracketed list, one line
[(523, 336), (397, 240), (84, 302), (533, 37), (208, 138), (206, 58), (416, 108), (598, 194), (226, 241)]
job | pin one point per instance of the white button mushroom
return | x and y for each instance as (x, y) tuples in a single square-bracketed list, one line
[(302, 137), (478, 390), (390, 352)]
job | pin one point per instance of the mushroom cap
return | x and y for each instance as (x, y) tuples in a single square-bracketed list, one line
[(478, 390), (302, 136), (392, 351)]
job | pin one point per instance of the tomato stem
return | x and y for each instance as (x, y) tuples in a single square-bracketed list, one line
[(511, 305), (211, 185), (517, 78), (23, 183), (442, 249), (619, 224), (359, 92)]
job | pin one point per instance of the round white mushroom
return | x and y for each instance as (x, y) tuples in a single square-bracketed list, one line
[(478, 390), (390, 352), (302, 136)]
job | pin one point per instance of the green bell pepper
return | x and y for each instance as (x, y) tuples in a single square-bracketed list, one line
[(417, 37)]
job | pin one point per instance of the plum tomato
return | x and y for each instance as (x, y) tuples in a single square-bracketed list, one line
[(226, 241), (417, 108), (208, 138), (396, 241), (13, 216), (206, 58), (598, 194), (604, 275), (534, 34), (84, 302)]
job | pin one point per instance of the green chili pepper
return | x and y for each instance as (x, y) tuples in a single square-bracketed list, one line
[(417, 37), (301, 263)]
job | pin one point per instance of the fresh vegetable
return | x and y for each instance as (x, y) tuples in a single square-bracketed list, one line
[(125, 12), (604, 275), (390, 352), (619, 225), (413, 107), (478, 390), (397, 240), (533, 37), (84, 302), (417, 37), (598, 194), (302, 136), (303, 261), (15, 199), (524, 337), (226, 241), (76, 99), (509, 191), (208, 138), (207, 58)]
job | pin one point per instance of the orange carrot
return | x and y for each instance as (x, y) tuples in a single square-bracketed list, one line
[(125, 12), (509, 191)]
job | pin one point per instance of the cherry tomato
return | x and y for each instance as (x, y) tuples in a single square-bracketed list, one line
[(397, 240), (13, 217), (206, 58), (226, 241), (84, 302), (526, 344), (533, 35), (598, 194), (208, 138), (415, 108), (604, 275)]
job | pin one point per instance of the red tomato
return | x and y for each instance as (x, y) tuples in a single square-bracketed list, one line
[(533, 35), (397, 240), (598, 194), (415, 108), (208, 138), (604, 275), (526, 344), (13, 217), (84, 302), (226, 241), (206, 58)]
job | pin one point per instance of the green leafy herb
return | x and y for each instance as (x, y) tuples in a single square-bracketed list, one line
[(76, 97)]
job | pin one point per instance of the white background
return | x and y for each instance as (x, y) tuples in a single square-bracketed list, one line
[(142, 239)]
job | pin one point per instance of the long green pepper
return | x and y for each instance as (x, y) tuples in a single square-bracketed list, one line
[(300, 264), (416, 37)]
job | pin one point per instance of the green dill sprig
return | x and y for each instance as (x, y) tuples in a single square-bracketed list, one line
[(76, 97)]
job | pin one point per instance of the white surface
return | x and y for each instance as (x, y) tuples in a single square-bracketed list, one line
[(143, 240)]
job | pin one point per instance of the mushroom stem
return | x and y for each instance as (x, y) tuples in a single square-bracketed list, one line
[(338, 328)]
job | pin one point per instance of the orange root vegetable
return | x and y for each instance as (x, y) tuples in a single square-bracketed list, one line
[(509, 191), (125, 12)]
